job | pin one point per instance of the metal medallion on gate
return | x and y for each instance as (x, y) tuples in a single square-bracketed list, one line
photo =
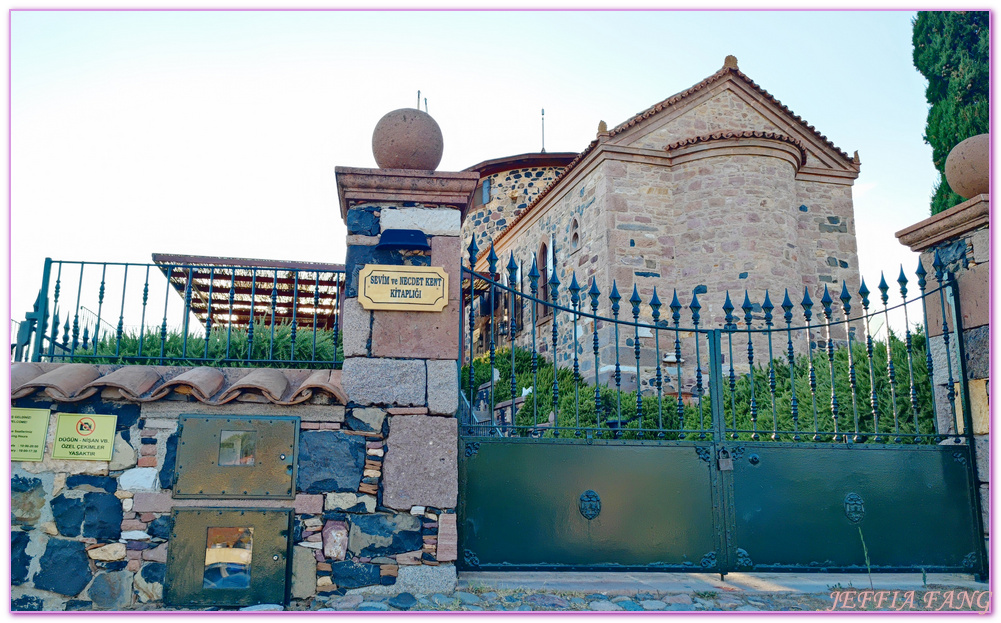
[(854, 507), (590, 504)]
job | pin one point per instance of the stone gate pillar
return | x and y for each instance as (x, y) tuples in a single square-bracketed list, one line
[(400, 366), (960, 237)]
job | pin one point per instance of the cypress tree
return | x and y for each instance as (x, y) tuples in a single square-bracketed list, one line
[(951, 51)]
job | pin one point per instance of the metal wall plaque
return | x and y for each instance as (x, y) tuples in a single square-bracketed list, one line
[(403, 288), (228, 557), (236, 457)]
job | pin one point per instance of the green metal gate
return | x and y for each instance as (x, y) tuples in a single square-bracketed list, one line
[(833, 455)]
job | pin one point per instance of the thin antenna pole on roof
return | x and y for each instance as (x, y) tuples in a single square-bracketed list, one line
[(543, 130), (426, 105), (418, 99)]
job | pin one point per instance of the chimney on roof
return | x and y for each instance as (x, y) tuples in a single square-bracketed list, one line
[(730, 62)]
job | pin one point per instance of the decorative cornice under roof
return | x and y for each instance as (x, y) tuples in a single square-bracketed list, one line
[(736, 135), (657, 108)]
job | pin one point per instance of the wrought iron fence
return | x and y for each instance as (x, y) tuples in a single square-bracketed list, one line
[(186, 311), (803, 371)]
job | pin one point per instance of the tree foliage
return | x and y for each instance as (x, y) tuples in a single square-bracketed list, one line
[(951, 50)]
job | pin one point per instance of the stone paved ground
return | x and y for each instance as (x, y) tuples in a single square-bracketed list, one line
[(746, 592)]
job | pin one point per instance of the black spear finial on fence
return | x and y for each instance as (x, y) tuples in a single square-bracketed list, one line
[(791, 358), (730, 327), (873, 399), (655, 306), (807, 305), (846, 307), (748, 307), (767, 307), (635, 301), (676, 320), (593, 293), (696, 308)]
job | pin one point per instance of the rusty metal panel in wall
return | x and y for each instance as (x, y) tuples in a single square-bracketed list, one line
[(228, 557), (236, 457)]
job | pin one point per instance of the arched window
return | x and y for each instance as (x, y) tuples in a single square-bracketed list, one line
[(544, 263), (574, 236)]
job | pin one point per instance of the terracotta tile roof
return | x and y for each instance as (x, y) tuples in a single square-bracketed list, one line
[(653, 110), (72, 382), (720, 136)]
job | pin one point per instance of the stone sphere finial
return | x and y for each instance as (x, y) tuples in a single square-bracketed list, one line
[(407, 139), (967, 168), (730, 62)]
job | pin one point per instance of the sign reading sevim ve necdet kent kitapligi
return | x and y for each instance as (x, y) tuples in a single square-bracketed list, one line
[(84, 437), (403, 288)]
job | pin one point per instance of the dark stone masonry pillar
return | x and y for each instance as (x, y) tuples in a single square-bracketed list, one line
[(400, 366)]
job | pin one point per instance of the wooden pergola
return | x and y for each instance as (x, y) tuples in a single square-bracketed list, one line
[(231, 291)]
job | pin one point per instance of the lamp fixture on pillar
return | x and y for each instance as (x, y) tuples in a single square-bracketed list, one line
[(403, 239)]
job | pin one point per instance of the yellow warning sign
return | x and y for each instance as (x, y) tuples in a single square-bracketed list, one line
[(84, 437), (27, 433)]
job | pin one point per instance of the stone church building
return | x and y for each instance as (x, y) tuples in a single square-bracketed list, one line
[(717, 188)]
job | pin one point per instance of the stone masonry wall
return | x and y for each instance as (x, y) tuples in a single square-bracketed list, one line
[(961, 238), (93, 535), (403, 364), (510, 193)]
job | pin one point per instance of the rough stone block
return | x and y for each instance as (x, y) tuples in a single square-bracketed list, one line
[(356, 327), (156, 554), (446, 252), (382, 534), (123, 454), (384, 381), (363, 221), (348, 574), (369, 420), (420, 467), (417, 580), (977, 343), (63, 568), (308, 504), (448, 538), (67, 514), (422, 335), (303, 573), (335, 540), (19, 558), (349, 502), (112, 551), (981, 246), (979, 407), (149, 581), (443, 387), (139, 479), (112, 591), (102, 516), (431, 221), (982, 446), (985, 505), (27, 497), (330, 461)]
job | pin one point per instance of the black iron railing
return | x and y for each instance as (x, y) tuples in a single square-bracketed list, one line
[(825, 371), (186, 313)]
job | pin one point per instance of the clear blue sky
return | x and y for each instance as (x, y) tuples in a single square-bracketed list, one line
[(218, 132)]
